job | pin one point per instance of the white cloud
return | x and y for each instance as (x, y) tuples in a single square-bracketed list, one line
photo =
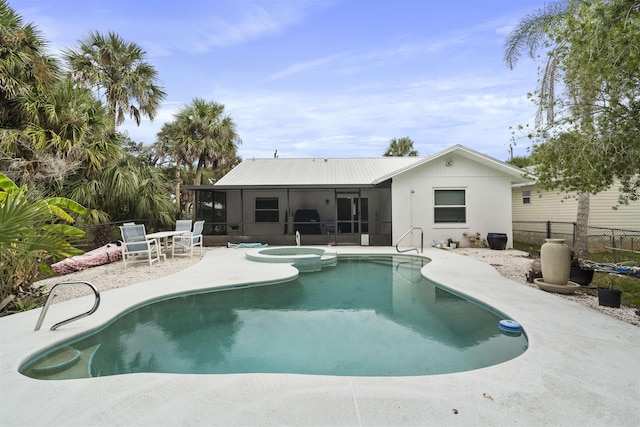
[(305, 66)]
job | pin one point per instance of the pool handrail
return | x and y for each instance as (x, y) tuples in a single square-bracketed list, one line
[(71, 319), (412, 249)]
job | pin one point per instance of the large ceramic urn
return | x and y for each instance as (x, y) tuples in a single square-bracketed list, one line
[(555, 258)]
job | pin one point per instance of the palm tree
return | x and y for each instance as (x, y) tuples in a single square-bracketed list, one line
[(535, 32), (207, 137), (200, 134), (69, 132), (168, 147), (532, 34), (24, 66), (401, 147), (124, 190), (78, 132), (118, 71)]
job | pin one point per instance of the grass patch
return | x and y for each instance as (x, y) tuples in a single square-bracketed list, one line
[(533, 250), (629, 285), (607, 257)]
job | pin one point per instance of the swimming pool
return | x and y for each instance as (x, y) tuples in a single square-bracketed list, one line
[(367, 316)]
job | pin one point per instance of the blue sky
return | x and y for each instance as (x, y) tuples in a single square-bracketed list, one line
[(323, 78)]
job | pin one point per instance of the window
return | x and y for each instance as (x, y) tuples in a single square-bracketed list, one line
[(267, 209), (450, 206), (526, 197)]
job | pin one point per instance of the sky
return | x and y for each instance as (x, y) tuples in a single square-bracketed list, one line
[(323, 78)]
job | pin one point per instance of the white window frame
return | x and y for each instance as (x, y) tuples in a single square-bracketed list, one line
[(526, 197), (436, 207)]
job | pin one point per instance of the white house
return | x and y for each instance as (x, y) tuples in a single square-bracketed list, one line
[(368, 201)]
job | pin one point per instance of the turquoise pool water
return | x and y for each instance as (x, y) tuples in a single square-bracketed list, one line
[(367, 316)]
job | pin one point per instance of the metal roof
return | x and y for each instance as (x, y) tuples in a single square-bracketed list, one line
[(314, 172), (344, 172)]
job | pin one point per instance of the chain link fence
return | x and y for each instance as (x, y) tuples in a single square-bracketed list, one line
[(604, 244)]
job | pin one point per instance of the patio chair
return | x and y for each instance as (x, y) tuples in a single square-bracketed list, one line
[(183, 225), (135, 246), (188, 240)]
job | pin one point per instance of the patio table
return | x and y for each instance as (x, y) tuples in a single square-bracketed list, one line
[(165, 235)]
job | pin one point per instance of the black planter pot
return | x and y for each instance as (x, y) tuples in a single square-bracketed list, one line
[(609, 297), (497, 241), (581, 276)]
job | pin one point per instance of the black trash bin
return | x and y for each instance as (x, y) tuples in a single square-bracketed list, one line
[(497, 241)]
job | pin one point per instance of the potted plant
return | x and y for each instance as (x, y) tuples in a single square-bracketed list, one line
[(581, 273), (610, 297)]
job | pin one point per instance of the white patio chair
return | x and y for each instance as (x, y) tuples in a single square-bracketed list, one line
[(184, 225), (135, 246), (188, 240)]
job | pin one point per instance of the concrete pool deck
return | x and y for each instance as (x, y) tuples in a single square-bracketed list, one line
[(582, 367)]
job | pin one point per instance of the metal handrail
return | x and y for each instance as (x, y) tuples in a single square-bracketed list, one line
[(412, 249), (79, 316)]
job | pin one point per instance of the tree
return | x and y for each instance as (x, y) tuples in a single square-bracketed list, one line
[(25, 68), (201, 135), (169, 148), (401, 147), (118, 71), (126, 189), (520, 161), (587, 137), (60, 139), (33, 229), (596, 142)]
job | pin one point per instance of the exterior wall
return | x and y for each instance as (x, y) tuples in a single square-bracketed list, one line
[(248, 216), (562, 207), (488, 201)]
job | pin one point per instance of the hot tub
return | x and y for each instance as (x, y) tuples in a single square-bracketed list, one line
[(304, 258)]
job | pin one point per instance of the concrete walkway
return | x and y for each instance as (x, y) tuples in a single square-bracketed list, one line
[(581, 368)]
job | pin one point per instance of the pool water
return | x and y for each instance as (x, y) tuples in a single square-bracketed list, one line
[(373, 316)]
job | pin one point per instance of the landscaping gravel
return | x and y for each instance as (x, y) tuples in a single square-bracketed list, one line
[(514, 265)]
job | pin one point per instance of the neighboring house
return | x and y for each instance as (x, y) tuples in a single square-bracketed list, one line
[(531, 203), (359, 201)]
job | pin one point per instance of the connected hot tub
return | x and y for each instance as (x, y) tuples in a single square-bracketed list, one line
[(304, 258)]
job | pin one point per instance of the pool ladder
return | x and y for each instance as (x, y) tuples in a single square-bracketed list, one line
[(71, 319), (412, 249)]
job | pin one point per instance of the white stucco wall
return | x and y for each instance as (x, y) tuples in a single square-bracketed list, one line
[(488, 201)]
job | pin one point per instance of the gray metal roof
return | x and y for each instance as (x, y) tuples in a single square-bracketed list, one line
[(314, 172), (321, 172)]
